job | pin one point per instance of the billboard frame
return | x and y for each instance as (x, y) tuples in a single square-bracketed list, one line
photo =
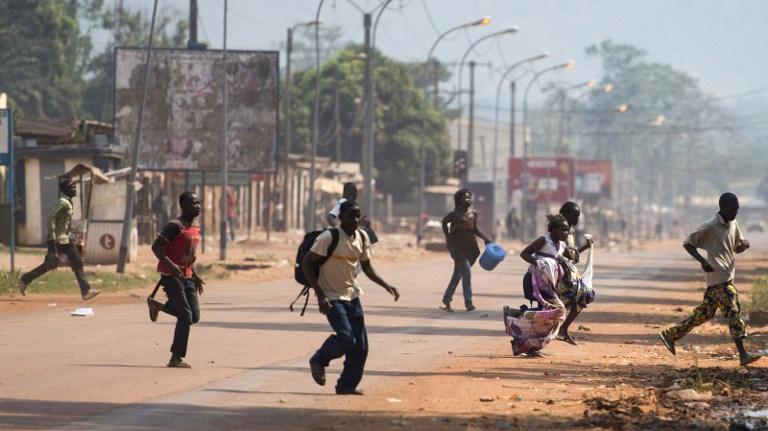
[(277, 136)]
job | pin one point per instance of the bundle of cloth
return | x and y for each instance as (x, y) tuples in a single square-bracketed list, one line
[(552, 278)]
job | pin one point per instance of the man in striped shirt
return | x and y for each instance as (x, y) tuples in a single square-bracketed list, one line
[(59, 226)]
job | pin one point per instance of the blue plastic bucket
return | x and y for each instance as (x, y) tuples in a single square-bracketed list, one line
[(491, 257)]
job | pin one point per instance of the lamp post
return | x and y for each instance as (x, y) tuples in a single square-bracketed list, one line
[(288, 129), (512, 126), (423, 149), (527, 143), (510, 30), (310, 224)]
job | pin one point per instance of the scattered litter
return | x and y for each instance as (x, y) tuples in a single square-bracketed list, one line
[(82, 311), (484, 316), (394, 400), (282, 401), (583, 328), (52, 304), (678, 309), (399, 423), (486, 399)]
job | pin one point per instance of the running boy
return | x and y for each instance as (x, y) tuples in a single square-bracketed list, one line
[(338, 296), (175, 248), (720, 237)]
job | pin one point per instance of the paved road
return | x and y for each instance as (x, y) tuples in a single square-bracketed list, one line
[(250, 353)]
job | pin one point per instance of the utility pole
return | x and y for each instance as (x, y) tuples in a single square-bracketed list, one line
[(512, 89), (287, 138), (471, 130), (130, 190), (336, 116), (368, 122), (224, 149), (192, 24)]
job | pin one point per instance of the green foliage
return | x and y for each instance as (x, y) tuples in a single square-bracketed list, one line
[(758, 296), (403, 120), (63, 281), (41, 56), (128, 29), (8, 281), (46, 62), (660, 155)]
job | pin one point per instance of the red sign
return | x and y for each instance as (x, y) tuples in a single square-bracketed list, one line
[(550, 179), (107, 241)]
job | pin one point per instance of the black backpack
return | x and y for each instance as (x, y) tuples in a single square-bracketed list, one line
[(304, 247)]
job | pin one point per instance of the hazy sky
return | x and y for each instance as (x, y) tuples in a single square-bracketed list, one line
[(724, 43)]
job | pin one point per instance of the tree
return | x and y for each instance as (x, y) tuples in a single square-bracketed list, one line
[(128, 29), (42, 55), (403, 120)]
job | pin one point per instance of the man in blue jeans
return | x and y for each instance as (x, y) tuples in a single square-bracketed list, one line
[(338, 296)]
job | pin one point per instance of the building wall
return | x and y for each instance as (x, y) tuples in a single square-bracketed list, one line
[(31, 232)]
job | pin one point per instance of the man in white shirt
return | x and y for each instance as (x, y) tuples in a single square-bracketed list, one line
[(349, 194), (338, 296)]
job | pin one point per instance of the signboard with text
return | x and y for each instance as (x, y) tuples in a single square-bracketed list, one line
[(5, 137), (550, 179)]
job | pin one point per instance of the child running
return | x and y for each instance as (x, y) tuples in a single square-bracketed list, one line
[(460, 229), (533, 329), (721, 238), (175, 248)]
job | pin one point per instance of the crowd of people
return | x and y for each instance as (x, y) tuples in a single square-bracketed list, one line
[(340, 252)]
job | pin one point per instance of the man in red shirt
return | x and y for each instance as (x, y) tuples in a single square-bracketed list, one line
[(175, 248)]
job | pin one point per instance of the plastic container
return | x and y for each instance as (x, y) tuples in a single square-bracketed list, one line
[(491, 257)]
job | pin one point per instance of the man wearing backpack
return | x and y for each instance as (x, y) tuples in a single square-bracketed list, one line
[(338, 296)]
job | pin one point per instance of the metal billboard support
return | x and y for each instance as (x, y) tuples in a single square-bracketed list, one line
[(7, 158)]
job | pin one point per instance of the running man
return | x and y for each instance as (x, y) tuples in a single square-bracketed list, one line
[(59, 227), (721, 238), (175, 249), (338, 296)]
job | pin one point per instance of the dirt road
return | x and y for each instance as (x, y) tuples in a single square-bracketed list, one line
[(427, 369)]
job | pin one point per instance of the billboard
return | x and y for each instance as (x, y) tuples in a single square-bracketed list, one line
[(183, 116), (551, 178), (594, 177)]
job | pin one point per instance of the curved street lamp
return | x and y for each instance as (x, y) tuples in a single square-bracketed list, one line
[(288, 130), (486, 20), (526, 140), (512, 126), (511, 30), (315, 113)]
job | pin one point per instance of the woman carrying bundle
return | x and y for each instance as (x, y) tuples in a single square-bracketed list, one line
[(533, 329)]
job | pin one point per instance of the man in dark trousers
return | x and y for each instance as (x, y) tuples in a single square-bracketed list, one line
[(338, 296), (59, 227), (175, 249), (721, 238)]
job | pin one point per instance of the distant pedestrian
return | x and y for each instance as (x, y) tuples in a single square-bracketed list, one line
[(460, 229), (161, 208), (348, 194), (231, 222), (338, 296), (721, 238), (59, 242), (175, 249)]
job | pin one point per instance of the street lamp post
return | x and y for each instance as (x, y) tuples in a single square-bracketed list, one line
[(423, 149), (527, 143), (510, 30), (288, 128), (310, 224), (496, 125)]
